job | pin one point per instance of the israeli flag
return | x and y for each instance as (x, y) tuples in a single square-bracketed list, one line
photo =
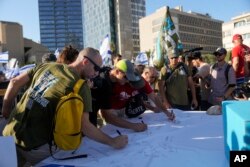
[(26, 68), (12, 69), (57, 53), (106, 52), (141, 59), (4, 57)]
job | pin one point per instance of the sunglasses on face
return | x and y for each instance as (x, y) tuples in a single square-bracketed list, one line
[(218, 55), (96, 67)]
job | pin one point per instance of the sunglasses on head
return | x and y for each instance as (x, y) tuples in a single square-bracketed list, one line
[(96, 67)]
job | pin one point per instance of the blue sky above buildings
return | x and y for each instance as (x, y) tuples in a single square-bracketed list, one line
[(25, 12)]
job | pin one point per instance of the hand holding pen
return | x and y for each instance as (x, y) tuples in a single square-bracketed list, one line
[(170, 114), (119, 141)]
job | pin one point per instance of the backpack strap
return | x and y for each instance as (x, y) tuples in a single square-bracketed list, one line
[(78, 85), (76, 89), (227, 71)]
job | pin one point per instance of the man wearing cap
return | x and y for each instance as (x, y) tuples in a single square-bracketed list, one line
[(121, 83), (174, 82), (239, 52), (222, 83)]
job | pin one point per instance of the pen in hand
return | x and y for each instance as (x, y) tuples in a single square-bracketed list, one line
[(141, 120), (119, 133)]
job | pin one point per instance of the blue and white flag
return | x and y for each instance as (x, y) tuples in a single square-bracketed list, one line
[(4, 57), (12, 69), (26, 68), (106, 52), (141, 59), (57, 53)]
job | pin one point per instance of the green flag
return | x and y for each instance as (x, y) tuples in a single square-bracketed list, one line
[(168, 41)]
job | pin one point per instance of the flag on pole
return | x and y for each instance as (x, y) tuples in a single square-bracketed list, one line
[(4, 57), (105, 51), (151, 60), (168, 41)]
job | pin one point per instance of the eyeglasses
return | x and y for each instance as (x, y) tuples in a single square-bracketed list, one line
[(218, 55), (96, 67)]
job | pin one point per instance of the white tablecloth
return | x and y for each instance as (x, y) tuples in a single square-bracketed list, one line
[(193, 140)]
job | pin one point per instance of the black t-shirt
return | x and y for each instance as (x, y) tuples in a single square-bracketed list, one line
[(102, 91)]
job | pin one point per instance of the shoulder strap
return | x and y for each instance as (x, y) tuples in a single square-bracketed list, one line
[(175, 68), (227, 71), (78, 85), (212, 67)]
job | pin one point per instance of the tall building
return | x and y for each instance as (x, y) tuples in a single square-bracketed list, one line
[(238, 25), (195, 29), (118, 19), (138, 11), (61, 23)]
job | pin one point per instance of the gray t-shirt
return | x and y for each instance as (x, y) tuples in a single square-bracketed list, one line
[(219, 83)]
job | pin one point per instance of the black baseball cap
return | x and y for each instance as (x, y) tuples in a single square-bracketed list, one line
[(220, 51), (197, 55)]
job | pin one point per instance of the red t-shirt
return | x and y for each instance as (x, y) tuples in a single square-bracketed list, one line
[(240, 51), (121, 94)]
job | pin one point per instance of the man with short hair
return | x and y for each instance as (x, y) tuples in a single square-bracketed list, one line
[(174, 82), (47, 83), (239, 64), (202, 74), (222, 83)]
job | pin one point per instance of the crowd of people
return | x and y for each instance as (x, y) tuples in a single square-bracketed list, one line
[(115, 94)]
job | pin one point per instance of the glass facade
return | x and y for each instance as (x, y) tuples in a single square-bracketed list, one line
[(138, 11), (61, 23), (101, 18), (99, 21)]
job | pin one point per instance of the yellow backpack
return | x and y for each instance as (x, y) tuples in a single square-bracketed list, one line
[(67, 129)]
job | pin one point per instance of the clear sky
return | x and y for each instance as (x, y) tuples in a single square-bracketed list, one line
[(25, 12)]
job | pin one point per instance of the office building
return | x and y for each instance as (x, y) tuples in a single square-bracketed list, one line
[(24, 50), (118, 19), (61, 23), (195, 29), (238, 25)]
